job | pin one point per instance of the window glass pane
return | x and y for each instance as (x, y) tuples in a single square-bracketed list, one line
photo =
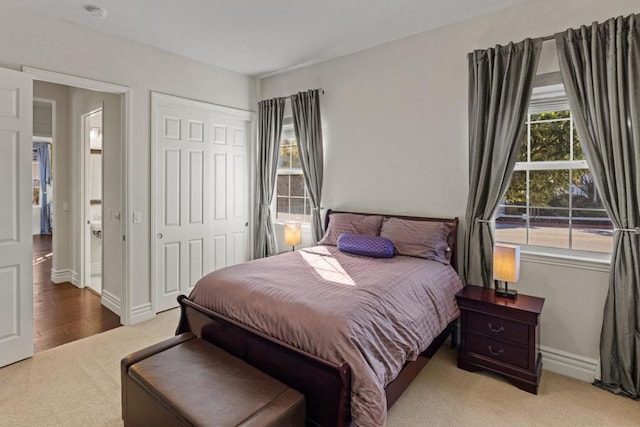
[(578, 154), (522, 155), (288, 133), (592, 228), (284, 159), (297, 209), (511, 224), (583, 190), (517, 192), (282, 185), (295, 156), (297, 185), (549, 208), (548, 188), (550, 139), (282, 211), (550, 230), (592, 231)]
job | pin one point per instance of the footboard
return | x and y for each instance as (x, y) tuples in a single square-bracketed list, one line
[(326, 386)]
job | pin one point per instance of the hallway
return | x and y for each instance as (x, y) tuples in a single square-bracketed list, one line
[(62, 312)]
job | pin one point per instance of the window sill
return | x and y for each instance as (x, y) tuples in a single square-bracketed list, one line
[(303, 225), (594, 262)]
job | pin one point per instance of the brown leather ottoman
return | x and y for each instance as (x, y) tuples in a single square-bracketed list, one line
[(186, 381)]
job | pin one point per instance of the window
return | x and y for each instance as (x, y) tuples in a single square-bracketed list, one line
[(552, 200), (35, 181), (292, 200)]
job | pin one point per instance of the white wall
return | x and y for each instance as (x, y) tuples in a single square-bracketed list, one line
[(31, 39), (395, 126)]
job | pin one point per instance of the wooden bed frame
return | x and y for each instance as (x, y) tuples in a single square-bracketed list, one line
[(325, 385)]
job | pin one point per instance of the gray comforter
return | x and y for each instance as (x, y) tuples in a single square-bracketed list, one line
[(374, 314)]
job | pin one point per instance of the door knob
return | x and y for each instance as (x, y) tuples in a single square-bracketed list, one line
[(159, 235)]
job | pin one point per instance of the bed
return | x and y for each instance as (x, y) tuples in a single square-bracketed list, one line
[(348, 331)]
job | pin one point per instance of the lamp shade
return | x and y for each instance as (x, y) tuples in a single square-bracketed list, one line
[(506, 262), (292, 233)]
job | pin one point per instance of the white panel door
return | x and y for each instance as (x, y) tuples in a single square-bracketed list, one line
[(201, 192), (230, 177), (182, 249), (16, 285)]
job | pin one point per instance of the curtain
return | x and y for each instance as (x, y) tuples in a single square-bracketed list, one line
[(306, 122), (270, 114), (500, 85), (600, 66), (44, 165)]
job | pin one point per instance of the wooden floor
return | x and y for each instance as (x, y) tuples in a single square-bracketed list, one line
[(62, 312)]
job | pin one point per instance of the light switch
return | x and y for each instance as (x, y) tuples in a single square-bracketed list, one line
[(65, 207), (137, 217)]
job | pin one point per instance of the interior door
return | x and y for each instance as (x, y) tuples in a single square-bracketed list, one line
[(16, 283), (230, 176), (201, 192), (182, 202)]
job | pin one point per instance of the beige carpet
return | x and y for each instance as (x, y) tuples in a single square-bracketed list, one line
[(78, 384)]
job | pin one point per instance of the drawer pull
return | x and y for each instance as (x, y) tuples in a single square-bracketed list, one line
[(495, 353), (496, 330)]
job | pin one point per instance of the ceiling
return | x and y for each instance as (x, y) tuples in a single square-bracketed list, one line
[(262, 37)]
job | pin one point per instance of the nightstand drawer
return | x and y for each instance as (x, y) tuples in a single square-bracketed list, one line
[(498, 350), (497, 327)]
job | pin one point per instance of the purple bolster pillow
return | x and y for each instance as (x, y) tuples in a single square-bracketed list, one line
[(372, 246)]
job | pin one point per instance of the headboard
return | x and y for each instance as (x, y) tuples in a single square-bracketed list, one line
[(452, 222)]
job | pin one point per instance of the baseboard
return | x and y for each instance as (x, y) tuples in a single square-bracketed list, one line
[(65, 275), (111, 301), (75, 279), (571, 365), (141, 313)]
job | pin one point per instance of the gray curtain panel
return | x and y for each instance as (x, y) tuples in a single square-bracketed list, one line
[(270, 114), (500, 85), (600, 66), (44, 165), (306, 122)]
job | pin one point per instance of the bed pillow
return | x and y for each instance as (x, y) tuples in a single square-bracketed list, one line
[(422, 239), (371, 246), (364, 225)]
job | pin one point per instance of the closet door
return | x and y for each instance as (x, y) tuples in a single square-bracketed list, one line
[(182, 202), (230, 177), (201, 193), (16, 244)]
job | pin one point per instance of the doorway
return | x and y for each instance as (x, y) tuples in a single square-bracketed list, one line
[(70, 301), (92, 200)]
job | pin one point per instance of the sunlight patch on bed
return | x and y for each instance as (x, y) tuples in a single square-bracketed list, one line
[(327, 267)]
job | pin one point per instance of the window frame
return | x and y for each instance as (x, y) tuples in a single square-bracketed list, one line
[(288, 125), (547, 98)]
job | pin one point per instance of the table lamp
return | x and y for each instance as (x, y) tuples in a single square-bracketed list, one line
[(292, 234), (506, 268)]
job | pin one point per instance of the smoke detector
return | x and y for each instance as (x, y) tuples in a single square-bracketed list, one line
[(96, 12)]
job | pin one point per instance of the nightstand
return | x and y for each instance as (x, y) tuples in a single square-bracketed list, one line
[(501, 335)]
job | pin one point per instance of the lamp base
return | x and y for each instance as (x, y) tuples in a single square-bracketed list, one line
[(506, 293)]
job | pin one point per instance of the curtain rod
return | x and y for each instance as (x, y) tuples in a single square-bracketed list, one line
[(288, 96)]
